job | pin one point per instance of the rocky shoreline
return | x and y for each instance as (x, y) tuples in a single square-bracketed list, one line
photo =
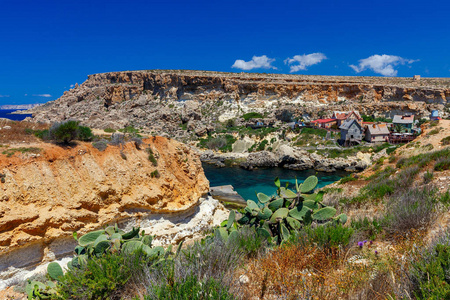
[(285, 156)]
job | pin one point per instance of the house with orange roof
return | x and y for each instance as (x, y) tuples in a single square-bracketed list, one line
[(342, 116), (377, 133)]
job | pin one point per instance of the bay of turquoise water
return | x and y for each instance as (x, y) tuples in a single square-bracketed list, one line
[(6, 113), (246, 182)]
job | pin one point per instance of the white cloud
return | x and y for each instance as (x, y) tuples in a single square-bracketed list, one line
[(72, 85), (42, 95), (302, 62), (4, 96), (382, 64), (257, 62)]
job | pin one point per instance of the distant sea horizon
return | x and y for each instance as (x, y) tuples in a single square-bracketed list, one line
[(6, 114)]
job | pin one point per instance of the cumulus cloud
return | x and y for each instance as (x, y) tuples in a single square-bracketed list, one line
[(4, 96), (42, 95), (302, 62), (257, 62), (72, 85), (382, 64)]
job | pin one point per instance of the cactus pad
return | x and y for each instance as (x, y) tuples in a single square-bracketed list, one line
[(280, 214), (89, 237), (276, 204), (263, 198), (309, 184), (324, 213), (287, 193), (54, 270)]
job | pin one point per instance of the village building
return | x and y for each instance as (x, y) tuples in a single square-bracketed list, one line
[(405, 122), (435, 115), (324, 123), (351, 132), (377, 133), (342, 116)]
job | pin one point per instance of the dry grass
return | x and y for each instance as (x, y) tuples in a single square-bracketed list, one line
[(18, 133), (296, 272)]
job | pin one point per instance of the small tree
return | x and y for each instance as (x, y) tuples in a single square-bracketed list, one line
[(64, 132)]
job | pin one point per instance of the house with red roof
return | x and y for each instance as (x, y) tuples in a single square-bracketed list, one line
[(342, 116), (324, 123)]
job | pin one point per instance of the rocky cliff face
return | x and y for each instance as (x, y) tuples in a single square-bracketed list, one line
[(162, 100), (44, 198)]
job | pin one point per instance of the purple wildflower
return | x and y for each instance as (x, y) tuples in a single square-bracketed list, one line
[(360, 244), (376, 252), (365, 242), (371, 242)]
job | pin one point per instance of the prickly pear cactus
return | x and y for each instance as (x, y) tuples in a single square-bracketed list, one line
[(279, 215)]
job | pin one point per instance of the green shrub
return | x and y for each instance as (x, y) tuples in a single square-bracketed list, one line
[(84, 133), (262, 146), (329, 236), (42, 134), (151, 157), (129, 129), (442, 164), (428, 177), (99, 279), (252, 115), (446, 141), (190, 288), (411, 209), (369, 228), (64, 132), (100, 145), (347, 179), (315, 131), (434, 131), (430, 271), (445, 198), (10, 152), (154, 174), (109, 130)]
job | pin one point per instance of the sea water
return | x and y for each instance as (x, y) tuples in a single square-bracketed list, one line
[(246, 182), (6, 113)]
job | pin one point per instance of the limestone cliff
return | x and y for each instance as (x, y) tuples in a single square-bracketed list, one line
[(44, 198), (162, 100)]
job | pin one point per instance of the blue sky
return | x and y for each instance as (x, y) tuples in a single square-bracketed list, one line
[(46, 46)]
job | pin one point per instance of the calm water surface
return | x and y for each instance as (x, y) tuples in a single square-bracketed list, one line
[(6, 113), (261, 180)]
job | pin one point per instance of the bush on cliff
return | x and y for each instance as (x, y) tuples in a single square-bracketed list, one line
[(67, 131)]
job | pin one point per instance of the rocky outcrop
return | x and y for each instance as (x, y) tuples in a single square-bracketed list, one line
[(293, 158), (163, 100), (45, 197)]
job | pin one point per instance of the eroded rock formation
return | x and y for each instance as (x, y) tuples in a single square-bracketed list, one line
[(162, 100), (44, 198)]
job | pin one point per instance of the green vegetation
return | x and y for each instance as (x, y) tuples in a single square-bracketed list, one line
[(430, 270), (129, 129), (372, 119), (64, 132), (442, 164), (446, 141), (278, 216), (220, 142), (252, 115), (262, 145), (151, 157), (10, 152), (347, 179), (191, 288), (109, 130)]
